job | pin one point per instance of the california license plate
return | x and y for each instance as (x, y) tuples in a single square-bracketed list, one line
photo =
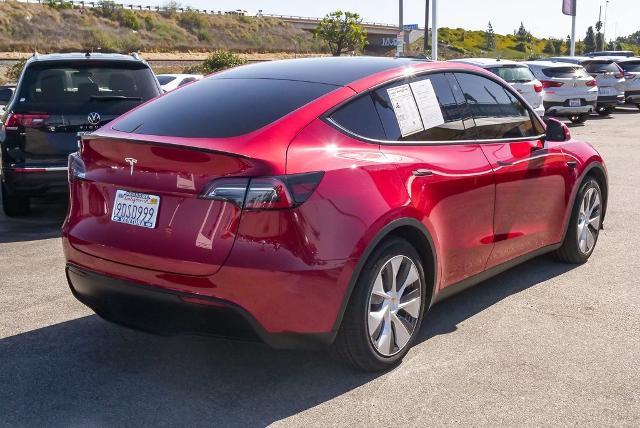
[(575, 103), (137, 209), (606, 91)]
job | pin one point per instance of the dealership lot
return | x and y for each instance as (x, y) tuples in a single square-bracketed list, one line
[(544, 343)]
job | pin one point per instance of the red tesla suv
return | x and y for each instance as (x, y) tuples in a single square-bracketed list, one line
[(322, 202)]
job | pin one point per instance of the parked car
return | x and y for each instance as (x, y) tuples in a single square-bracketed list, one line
[(58, 98), (631, 68), (568, 90), (169, 82), (6, 92), (517, 75), (609, 77), (322, 202)]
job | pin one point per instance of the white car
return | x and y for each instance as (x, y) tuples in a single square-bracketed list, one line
[(169, 82), (516, 74), (569, 90), (609, 77), (631, 68)]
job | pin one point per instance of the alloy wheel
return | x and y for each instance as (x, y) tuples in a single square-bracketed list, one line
[(394, 305), (589, 220)]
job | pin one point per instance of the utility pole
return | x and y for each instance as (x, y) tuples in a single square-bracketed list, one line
[(604, 30), (426, 27), (434, 31)]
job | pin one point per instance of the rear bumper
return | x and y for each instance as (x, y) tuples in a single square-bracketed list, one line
[(165, 311), (632, 97), (563, 108), (36, 181), (610, 101)]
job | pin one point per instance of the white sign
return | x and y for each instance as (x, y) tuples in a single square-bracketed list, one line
[(406, 110), (428, 104)]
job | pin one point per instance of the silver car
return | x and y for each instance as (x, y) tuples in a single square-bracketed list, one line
[(568, 90), (631, 68), (608, 75)]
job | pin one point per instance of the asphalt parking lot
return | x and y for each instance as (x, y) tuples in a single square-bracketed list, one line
[(543, 344)]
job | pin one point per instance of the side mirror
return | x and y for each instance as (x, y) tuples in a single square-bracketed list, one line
[(557, 131)]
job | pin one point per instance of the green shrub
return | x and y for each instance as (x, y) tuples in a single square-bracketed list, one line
[(13, 73), (149, 23), (129, 19), (192, 20), (59, 4), (216, 61), (203, 36)]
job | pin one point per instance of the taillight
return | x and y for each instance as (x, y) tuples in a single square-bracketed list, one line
[(77, 169), (629, 76), (591, 83), (551, 84), (265, 193), (620, 75), (537, 87), (27, 120)]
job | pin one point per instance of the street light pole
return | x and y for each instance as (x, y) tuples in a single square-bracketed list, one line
[(434, 31), (426, 27), (572, 50), (400, 40), (604, 30)]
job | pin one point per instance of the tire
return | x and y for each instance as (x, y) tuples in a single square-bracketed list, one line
[(604, 111), (354, 345), (14, 205), (581, 118), (578, 246), (638, 105)]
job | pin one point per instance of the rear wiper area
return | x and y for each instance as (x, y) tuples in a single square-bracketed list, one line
[(113, 98)]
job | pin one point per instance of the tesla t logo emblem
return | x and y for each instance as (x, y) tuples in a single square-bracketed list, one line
[(93, 118), (131, 162)]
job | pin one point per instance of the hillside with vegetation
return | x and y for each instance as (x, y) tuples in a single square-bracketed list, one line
[(28, 27)]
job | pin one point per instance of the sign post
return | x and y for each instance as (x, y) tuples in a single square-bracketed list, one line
[(400, 41), (434, 31), (569, 7)]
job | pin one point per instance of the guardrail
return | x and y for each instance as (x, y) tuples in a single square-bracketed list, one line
[(238, 12)]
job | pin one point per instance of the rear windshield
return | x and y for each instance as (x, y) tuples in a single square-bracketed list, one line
[(75, 87), (601, 67), (513, 74), (565, 72), (633, 67), (166, 79), (221, 108)]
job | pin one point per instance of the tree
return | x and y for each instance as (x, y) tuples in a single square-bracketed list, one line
[(548, 48), (342, 32), (523, 35), (568, 49), (490, 37), (557, 46), (590, 41)]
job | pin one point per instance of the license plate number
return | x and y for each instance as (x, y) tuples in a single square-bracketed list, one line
[(137, 209), (575, 103), (607, 91)]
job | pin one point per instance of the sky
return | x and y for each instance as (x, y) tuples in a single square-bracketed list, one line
[(542, 17)]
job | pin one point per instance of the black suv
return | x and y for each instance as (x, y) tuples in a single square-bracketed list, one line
[(58, 98)]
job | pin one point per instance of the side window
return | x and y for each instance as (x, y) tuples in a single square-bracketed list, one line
[(360, 117), (438, 118), (187, 80), (497, 113)]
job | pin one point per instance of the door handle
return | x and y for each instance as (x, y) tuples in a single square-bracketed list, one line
[(504, 163), (422, 173), (572, 164)]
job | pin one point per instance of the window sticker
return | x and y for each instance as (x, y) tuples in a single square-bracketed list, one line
[(428, 104), (406, 110)]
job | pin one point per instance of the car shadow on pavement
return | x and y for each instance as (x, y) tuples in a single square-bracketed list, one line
[(43, 222), (89, 372), (444, 317)]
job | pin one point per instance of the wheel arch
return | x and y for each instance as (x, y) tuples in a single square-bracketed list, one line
[(417, 235)]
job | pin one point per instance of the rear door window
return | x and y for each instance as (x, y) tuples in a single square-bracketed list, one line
[(72, 87), (361, 118), (163, 80), (221, 107), (498, 113), (442, 120)]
